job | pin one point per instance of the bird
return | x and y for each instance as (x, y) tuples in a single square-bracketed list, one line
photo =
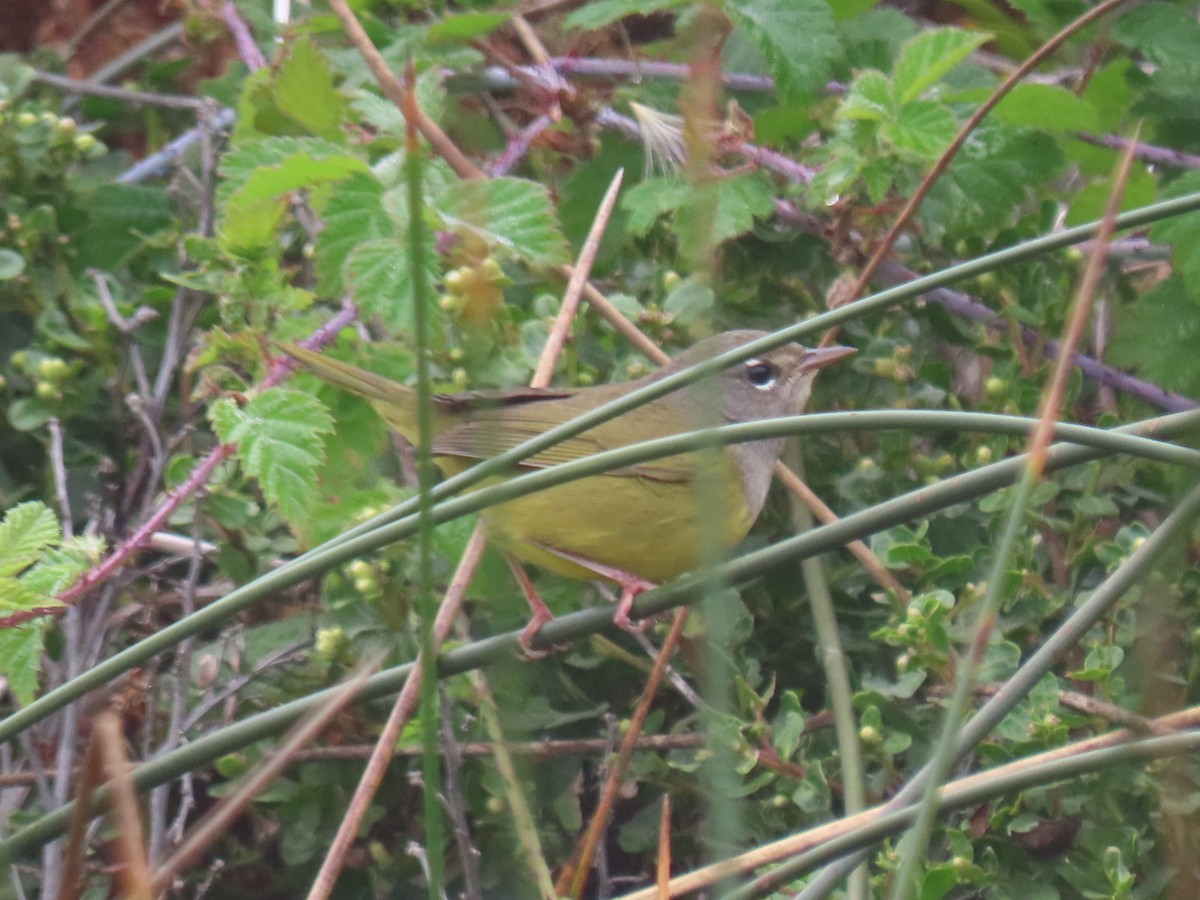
[(634, 527)]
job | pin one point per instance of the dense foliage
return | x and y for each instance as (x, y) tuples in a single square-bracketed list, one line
[(141, 316)]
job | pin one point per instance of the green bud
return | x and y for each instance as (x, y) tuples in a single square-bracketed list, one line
[(25, 119), (53, 369)]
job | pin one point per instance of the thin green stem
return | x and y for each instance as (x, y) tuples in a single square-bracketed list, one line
[(817, 324), (977, 790), (315, 562), (1014, 690), (426, 602), (916, 842), (833, 663), (574, 626)]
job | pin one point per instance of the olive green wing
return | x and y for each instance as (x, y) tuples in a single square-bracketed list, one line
[(519, 416)]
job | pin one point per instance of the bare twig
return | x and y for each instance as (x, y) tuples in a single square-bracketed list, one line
[(196, 479), (574, 874), (447, 612), (247, 50), (455, 803), (795, 844), (219, 819), (59, 468), (133, 875), (124, 95)]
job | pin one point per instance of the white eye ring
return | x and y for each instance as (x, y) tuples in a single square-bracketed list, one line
[(761, 374)]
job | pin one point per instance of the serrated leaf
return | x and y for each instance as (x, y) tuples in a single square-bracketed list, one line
[(56, 571), (21, 657), (797, 39), (1157, 338), (277, 434), (378, 275), (254, 211), (1167, 34), (511, 214), (304, 91), (27, 530), (922, 128), (16, 595), (646, 201), (869, 98), (247, 157), (930, 55), (353, 215), (740, 200)]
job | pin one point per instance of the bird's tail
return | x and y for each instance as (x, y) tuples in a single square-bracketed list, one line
[(395, 403)]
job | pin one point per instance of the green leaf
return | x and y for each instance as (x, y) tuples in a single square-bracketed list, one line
[(304, 91), (16, 595), (253, 212), (929, 56), (28, 414), (599, 13), (646, 201), (119, 216), (922, 129), (247, 157), (461, 28), (848, 9), (788, 727), (1045, 106), (1182, 232), (21, 657), (1164, 32), (740, 200), (797, 39), (27, 529), (1157, 337), (12, 264), (378, 275), (869, 98), (277, 437), (353, 215), (513, 215)]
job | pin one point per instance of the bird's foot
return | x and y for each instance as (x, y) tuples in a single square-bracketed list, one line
[(631, 585), (539, 612)]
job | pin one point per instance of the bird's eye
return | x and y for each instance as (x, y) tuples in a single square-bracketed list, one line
[(760, 374)]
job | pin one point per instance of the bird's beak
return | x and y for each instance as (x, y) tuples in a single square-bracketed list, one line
[(823, 356)]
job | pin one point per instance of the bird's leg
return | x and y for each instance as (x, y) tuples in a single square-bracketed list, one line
[(539, 612), (631, 585)]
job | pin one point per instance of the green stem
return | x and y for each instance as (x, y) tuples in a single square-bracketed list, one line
[(316, 561), (1097, 605), (959, 489), (426, 602)]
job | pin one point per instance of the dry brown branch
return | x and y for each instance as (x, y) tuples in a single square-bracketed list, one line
[(792, 845)]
